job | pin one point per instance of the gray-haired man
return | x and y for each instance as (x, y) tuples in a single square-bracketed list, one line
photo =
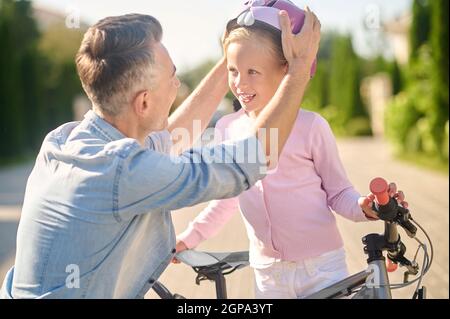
[(96, 218)]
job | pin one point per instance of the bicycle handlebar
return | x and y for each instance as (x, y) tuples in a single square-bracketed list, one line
[(385, 206), (392, 214), (379, 187), (390, 211)]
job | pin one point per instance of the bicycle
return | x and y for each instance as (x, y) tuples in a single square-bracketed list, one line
[(371, 283)]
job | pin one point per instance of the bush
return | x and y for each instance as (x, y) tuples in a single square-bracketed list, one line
[(428, 142), (316, 94), (417, 118), (359, 126), (356, 126), (401, 117), (413, 141), (413, 123), (445, 143)]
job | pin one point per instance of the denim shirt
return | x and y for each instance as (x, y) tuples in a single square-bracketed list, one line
[(96, 220)]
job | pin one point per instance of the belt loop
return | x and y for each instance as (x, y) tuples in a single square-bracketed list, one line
[(310, 267)]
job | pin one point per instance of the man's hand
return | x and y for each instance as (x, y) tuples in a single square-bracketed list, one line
[(300, 50), (366, 202), (180, 246)]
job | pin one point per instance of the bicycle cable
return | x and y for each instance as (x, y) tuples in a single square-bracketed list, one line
[(427, 261), (429, 240)]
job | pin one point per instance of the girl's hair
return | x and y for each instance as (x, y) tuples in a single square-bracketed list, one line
[(258, 29)]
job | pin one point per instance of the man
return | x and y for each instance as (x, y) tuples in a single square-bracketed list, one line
[(96, 217)]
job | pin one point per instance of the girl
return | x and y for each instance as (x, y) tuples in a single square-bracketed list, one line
[(295, 245)]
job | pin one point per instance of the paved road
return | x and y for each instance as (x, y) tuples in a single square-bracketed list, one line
[(427, 193), (12, 190)]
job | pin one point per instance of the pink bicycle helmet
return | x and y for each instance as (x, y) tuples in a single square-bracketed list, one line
[(267, 11)]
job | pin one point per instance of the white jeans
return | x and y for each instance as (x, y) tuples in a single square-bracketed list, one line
[(291, 280)]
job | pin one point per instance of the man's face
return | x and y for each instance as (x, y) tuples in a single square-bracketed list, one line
[(165, 87)]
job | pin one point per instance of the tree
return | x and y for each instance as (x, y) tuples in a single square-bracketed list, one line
[(58, 46), (439, 44), (316, 95), (12, 134), (417, 119), (29, 73), (396, 77), (38, 80), (420, 27), (344, 80)]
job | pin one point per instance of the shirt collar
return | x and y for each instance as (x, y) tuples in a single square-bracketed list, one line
[(106, 129)]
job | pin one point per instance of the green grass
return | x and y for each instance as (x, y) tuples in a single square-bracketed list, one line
[(15, 160), (425, 161)]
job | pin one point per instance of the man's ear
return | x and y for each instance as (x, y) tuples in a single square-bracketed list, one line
[(141, 103)]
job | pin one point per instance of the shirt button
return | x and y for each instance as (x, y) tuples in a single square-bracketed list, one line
[(174, 251), (151, 281)]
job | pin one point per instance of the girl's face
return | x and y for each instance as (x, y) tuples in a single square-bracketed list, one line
[(254, 72)]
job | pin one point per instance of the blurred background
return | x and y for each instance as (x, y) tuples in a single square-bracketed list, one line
[(382, 83)]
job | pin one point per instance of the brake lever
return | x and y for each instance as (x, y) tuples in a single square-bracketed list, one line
[(398, 214), (403, 217)]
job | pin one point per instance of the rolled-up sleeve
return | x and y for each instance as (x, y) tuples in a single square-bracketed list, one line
[(151, 180)]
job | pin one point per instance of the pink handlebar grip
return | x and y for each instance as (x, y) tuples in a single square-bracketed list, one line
[(379, 187)]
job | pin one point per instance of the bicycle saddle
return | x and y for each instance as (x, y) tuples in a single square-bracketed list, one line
[(196, 258)]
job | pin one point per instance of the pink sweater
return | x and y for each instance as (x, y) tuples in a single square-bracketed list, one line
[(288, 215)]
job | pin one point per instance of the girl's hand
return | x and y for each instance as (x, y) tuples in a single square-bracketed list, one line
[(366, 202), (399, 196), (180, 246), (300, 50)]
